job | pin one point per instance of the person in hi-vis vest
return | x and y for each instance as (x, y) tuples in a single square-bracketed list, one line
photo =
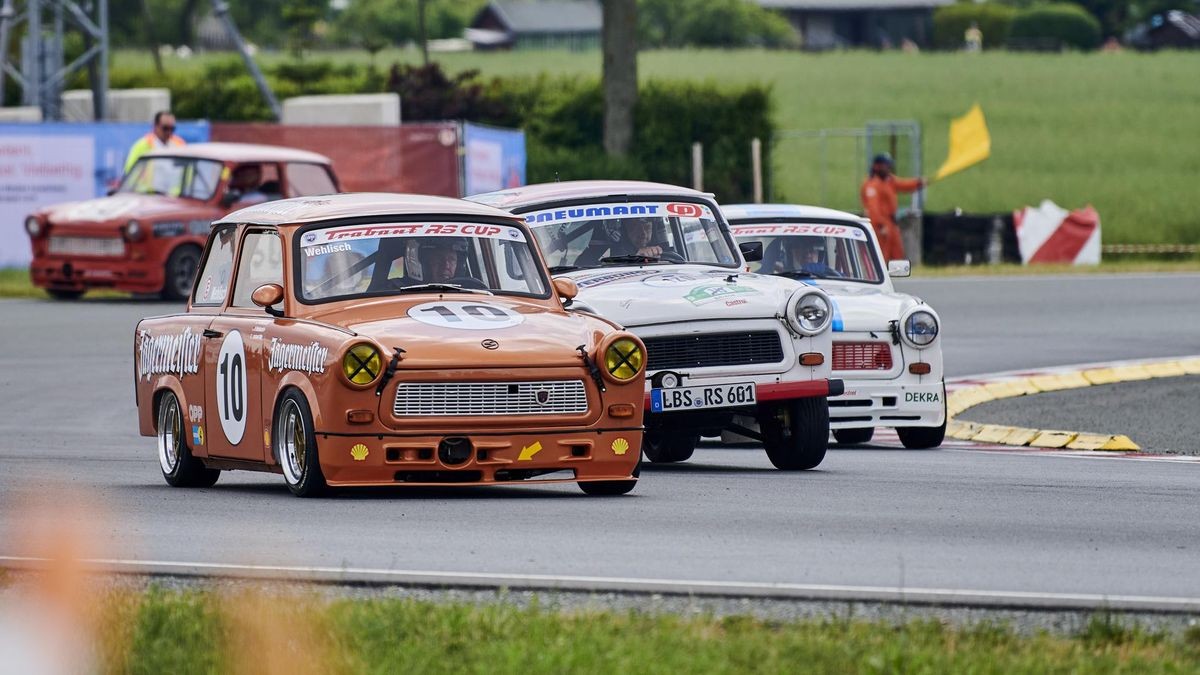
[(162, 136)]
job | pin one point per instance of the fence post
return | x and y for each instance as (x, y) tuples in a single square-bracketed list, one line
[(756, 169), (698, 166)]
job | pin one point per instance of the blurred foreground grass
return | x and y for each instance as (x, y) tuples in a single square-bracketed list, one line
[(180, 632)]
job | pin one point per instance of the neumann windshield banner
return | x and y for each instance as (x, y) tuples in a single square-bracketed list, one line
[(586, 212)]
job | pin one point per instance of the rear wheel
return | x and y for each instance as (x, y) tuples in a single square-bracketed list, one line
[(668, 449), (295, 446), (64, 294), (612, 488), (179, 467), (853, 436), (922, 438), (796, 433), (180, 272)]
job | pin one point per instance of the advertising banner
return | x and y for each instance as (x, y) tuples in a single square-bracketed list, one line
[(493, 158), (56, 162)]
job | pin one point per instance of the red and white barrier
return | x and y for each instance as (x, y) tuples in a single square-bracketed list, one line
[(1051, 234)]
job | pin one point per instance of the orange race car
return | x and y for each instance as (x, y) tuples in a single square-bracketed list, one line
[(375, 339)]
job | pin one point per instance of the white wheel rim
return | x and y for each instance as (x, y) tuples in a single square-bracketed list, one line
[(168, 434), (291, 442)]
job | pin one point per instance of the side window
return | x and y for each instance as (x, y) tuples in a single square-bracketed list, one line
[(201, 180), (217, 272), (306, 180), (261, 263)]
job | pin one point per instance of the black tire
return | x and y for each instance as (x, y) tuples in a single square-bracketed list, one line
[(922, 438), (64, 294), (853, 436), (668, 449), (796, 433), (612, 488), (295, 446), (180, 273), (179, 467)]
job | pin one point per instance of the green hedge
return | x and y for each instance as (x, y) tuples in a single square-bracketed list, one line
[(1066, 24), (951, 22)]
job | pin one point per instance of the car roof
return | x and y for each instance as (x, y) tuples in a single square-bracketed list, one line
[(579, 189), (736, 212), (240, 152), (359, 204)]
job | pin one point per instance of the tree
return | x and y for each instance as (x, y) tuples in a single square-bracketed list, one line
[(619, 39)]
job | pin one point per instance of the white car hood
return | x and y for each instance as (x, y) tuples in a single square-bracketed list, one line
[(654, 294), (864, 307)]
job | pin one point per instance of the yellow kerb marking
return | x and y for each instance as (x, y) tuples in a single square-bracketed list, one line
[(992, 433), (1059, 382), (1128, 373), (1101, 376), (1166, 369), (1053, 439), (1020, 436), (1191, 366)]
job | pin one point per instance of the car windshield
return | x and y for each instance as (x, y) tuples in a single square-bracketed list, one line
[(594, 235), (813, 250), (398, 258), (173, 176)]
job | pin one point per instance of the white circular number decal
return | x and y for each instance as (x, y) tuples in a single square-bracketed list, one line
[(231, 387), (465, 315)]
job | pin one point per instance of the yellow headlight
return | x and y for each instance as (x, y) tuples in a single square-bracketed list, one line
[(624, 359), (362, 364)]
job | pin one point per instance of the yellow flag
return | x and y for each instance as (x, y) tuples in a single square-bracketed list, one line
[(969, 142)]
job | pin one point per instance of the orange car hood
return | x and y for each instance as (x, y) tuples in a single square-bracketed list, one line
[(119, 208), (542, 338)]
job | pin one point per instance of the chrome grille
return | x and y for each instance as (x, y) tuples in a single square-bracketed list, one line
[(427, 399), (713, 349), (103, 246), (862, 356)]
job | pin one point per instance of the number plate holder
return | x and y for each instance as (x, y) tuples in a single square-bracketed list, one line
[(699, 397)]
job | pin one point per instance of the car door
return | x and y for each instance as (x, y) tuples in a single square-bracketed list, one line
[(236, 353)]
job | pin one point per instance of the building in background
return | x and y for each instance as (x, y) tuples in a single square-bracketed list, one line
[(537, 24), (840, 24)]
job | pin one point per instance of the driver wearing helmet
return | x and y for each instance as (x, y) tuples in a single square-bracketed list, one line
[(807, 254), (440, 261)]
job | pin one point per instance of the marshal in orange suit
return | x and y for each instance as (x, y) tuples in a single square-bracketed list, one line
[(878, 196)]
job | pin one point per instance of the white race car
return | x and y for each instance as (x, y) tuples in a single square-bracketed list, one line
[(720, 342), (885, 344)]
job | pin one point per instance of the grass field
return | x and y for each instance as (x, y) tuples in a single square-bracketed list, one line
[(1120, 131), (208, 632)]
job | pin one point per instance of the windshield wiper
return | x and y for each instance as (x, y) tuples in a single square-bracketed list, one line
[(624, 259), (445, 288), (559, 269)]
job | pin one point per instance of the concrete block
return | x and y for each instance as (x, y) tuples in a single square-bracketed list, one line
[(343, 109), (124, 105), (25, 113)]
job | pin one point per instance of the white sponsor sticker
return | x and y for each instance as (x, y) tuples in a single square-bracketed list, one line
[(465, 315), (231, 387), (811, 229), (588, 212), (308, 358), (175, 353), (329, 236)]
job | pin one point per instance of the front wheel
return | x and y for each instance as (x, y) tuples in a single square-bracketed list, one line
[(853, 436), (922, 438), (795, 433), (180, 272), (612, 488), (179, 467), (295, 446), (64, 294), (669, 449)]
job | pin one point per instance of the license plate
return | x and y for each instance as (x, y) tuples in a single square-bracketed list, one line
[(703, 396)]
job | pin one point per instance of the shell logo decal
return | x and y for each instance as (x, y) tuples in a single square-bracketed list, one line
[(620, 446), (359, 452)]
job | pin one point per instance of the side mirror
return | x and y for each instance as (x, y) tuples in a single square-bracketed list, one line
[(752, 251), (567, 289), (267, 295), (899, 268)]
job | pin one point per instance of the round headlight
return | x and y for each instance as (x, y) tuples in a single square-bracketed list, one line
[(920, 329), (624, 359), (362, 364), (33, 226), (811, 312), (133, 230)]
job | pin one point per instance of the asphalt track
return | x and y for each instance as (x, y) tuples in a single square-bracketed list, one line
[(963, 521)]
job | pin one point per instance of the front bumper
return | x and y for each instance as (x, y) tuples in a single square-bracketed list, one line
[(495, 458), (83, 273), (888, 403)]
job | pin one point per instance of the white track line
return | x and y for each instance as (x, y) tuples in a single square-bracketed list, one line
[(590, 584)]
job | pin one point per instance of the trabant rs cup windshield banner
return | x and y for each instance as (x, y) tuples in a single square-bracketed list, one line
[(805, 229), (360, 232), (589, 212)]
